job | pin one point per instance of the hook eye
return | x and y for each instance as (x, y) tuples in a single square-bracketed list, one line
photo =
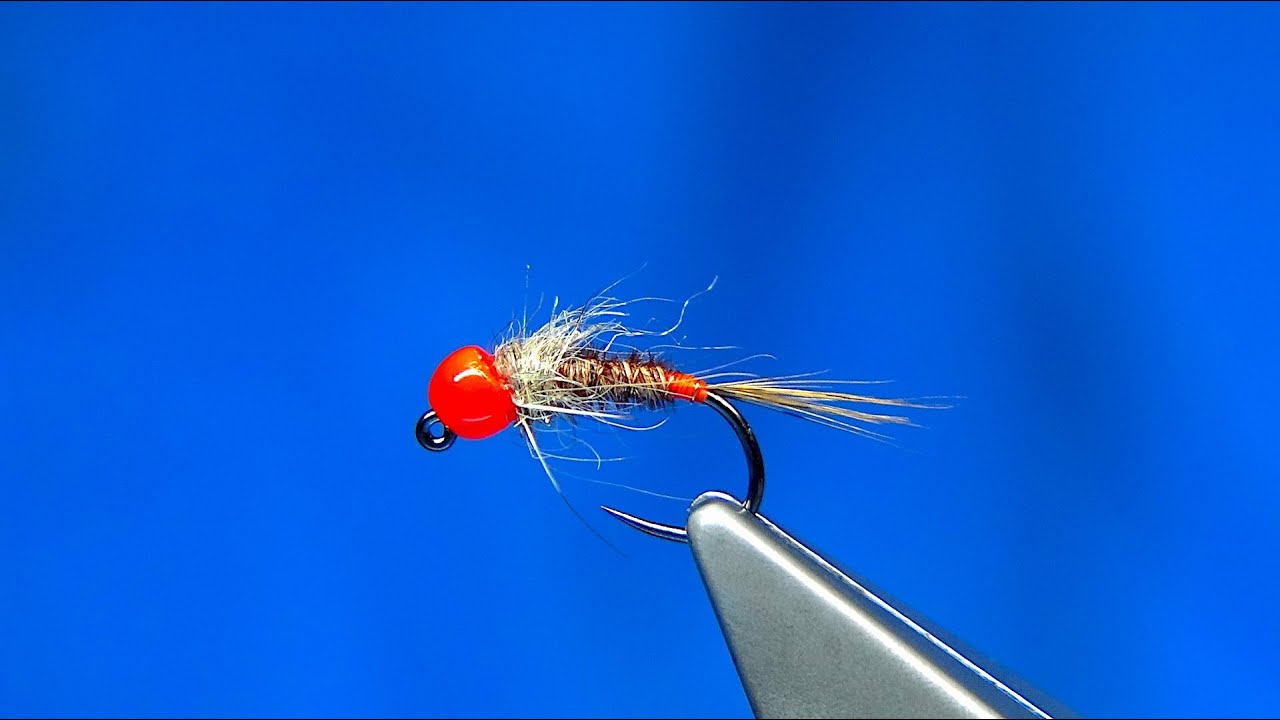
[(755, 476), (432, 442)]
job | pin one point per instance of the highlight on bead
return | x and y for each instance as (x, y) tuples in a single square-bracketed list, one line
[(589, 363)]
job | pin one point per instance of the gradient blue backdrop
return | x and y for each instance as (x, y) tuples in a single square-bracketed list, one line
[(237, 239)]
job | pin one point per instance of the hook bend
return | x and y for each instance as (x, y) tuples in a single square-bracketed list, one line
[(755, 476)]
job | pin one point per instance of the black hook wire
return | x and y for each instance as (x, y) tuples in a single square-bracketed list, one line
[(755, 476), (750, 447), (434, 443)]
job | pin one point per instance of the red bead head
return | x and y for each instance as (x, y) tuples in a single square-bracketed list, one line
[(470, 396)]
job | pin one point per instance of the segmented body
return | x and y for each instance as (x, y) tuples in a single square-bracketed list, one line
[(635, 380)]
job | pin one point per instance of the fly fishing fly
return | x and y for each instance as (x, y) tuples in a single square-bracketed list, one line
[(582, 364)]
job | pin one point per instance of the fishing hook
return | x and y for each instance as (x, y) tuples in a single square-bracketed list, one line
[(675, 533), (755, 476)]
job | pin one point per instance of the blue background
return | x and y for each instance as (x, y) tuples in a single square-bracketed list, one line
[(237, 240)]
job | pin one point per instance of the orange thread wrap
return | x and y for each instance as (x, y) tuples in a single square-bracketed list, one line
[(687, 386)]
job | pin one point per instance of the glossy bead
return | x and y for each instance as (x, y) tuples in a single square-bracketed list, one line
[(470, 396)]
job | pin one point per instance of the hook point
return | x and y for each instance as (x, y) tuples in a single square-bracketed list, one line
[(649, 527)]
